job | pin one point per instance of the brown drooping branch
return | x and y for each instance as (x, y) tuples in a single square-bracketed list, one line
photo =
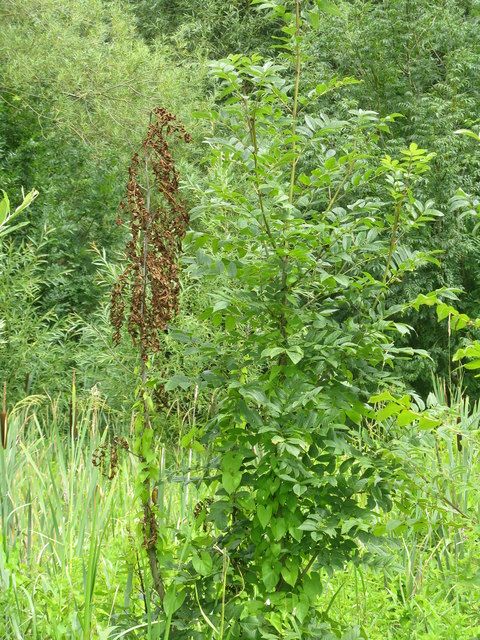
[(150, 285)]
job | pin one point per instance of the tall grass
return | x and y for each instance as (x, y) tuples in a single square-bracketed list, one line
[(69, 561)]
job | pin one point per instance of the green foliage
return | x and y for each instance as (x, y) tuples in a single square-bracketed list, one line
[(7, 215), (77, 86), (422, 583), (32, 344), (194, 29), (304, 258), (420, 59), (54, 507), (34, 348), (300, 488)]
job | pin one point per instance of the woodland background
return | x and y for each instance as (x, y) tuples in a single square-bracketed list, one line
[(78, 82)]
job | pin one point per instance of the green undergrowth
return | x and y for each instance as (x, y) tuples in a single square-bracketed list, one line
[(69, 562), (71, 566)]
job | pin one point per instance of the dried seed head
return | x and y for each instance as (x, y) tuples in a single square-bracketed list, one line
[(3, 418), (150, 284), (4, 429)]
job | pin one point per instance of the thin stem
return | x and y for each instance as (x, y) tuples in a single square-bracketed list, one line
[(307, 568), (284, 261), (393, 237), (3, 423), (150, 519), (226, 563), (295, 98), (348, 173), (204, 616), (253, 138)]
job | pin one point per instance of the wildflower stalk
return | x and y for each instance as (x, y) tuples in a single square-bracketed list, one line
[(150, 286)]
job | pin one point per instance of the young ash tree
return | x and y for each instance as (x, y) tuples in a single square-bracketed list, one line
[(303, 258)]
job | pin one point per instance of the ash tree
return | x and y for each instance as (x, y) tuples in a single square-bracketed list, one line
[(300, 235)]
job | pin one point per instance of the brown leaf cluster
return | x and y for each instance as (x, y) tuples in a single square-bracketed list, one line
[(149, 286), (105, 456)]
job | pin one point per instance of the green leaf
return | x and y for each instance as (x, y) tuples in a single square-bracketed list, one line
[(467, 132), (426, 422), (403, 329), (173, 600), (230, 323), (147, 442), (4, 208), (10, 229), (330, 164), (231, 481), (279, 528), (406, 417), (188, 437), (474, 364), (304, 179), (302, 607), (27, 201), (272, 352), (295, 354), (312, 586), (264, 514), (459, 321), (443, 311), (382, 397), (178, 380), (314, 19), (328, 7), (392, 525), (290, 571), (299, 489), (270, 574), (232, 461), (348, 525), (202, 564), (309, 122), (221, 305), (198, 447), (389, 410)]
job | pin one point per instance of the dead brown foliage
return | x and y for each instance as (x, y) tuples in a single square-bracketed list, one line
[(149, 285)]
